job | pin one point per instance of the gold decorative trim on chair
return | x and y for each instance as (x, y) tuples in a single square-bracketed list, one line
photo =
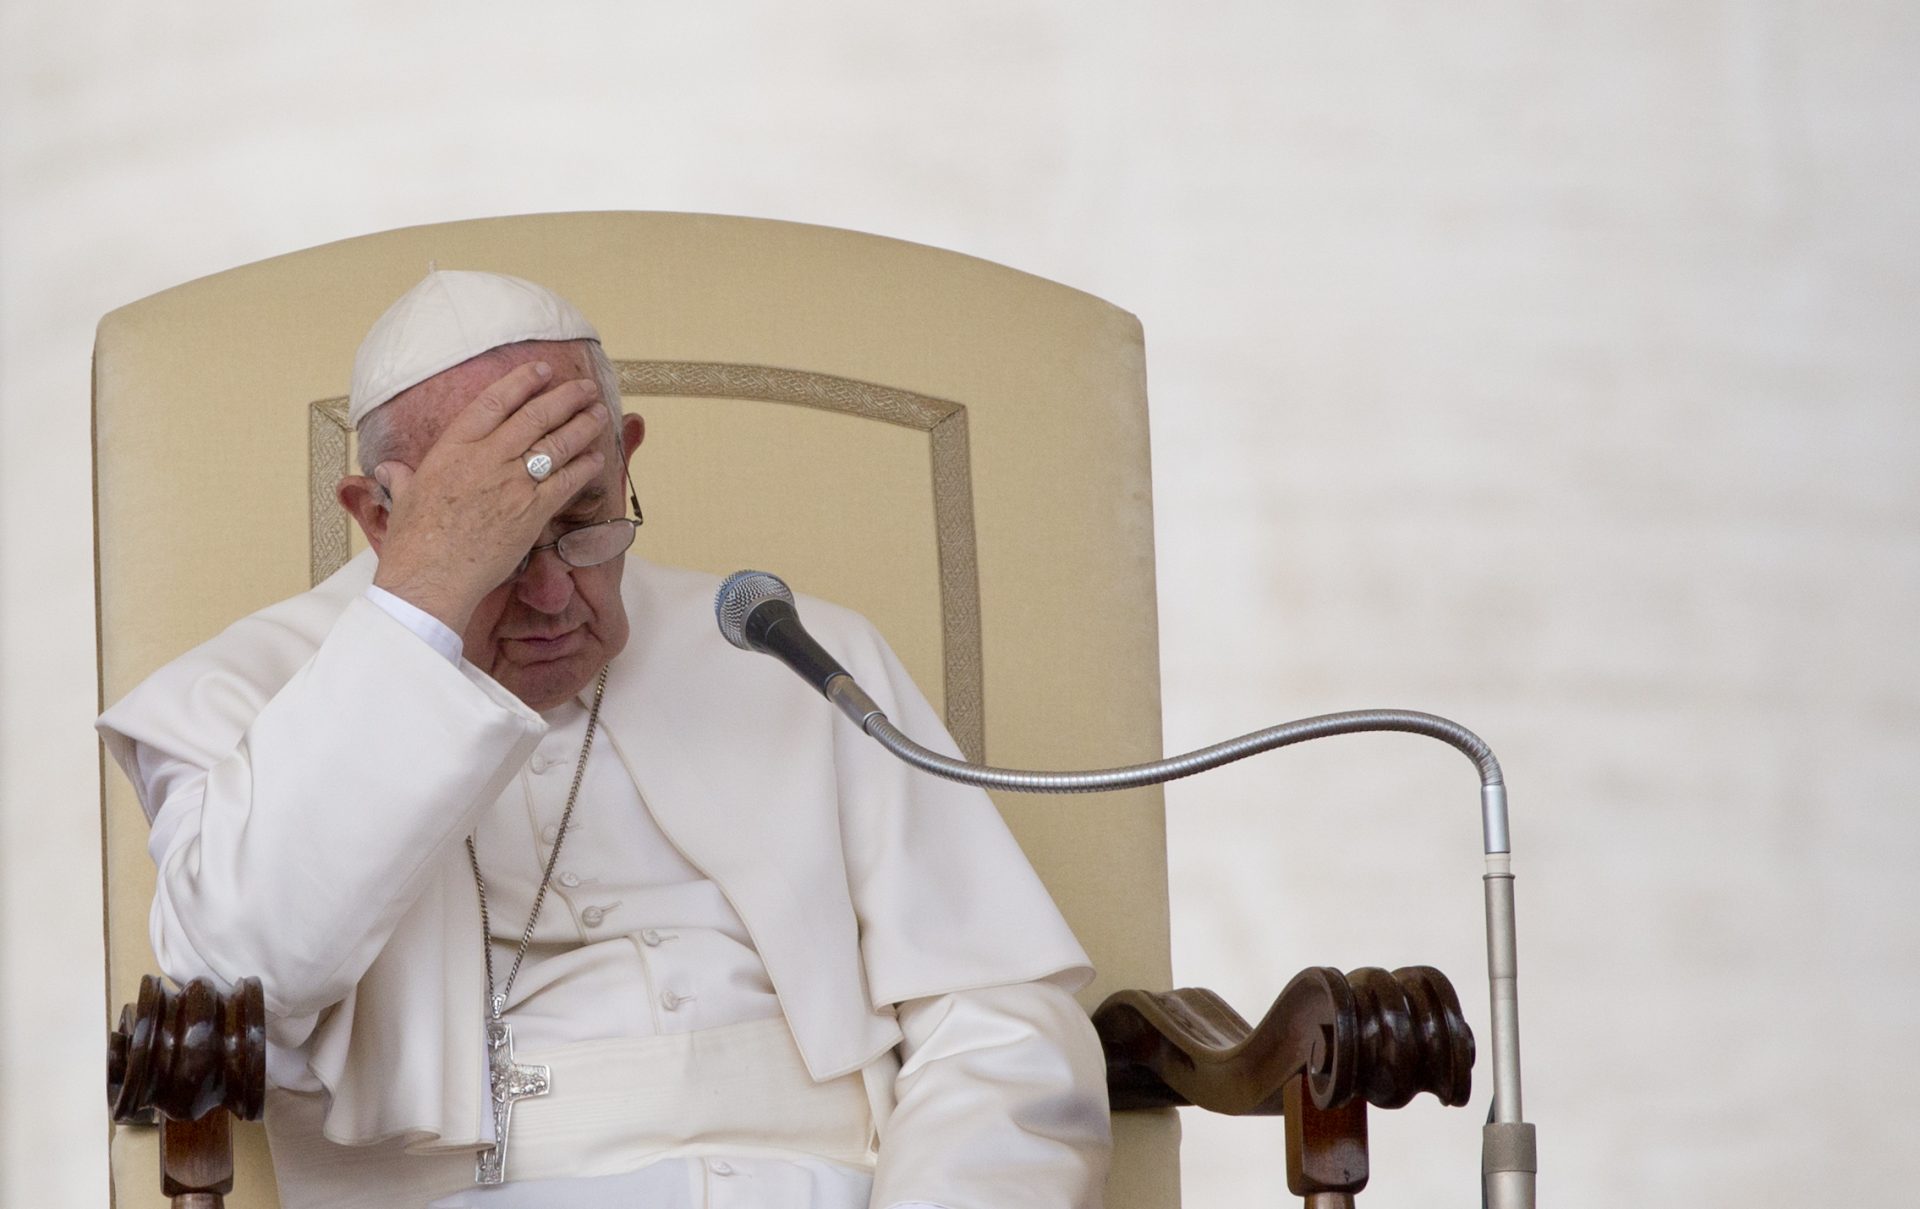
[(944, 422), (327, 442)]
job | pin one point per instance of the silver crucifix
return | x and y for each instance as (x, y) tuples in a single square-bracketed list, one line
[(510, 1082)]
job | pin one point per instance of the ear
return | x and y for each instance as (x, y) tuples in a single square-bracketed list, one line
[(366, 501), (633, 430)]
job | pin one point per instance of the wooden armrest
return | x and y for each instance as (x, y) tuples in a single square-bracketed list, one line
[(198, 1058), (1331, 1044)]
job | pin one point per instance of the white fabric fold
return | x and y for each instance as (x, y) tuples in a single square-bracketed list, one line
[(736, 1095), (1000, 1100)]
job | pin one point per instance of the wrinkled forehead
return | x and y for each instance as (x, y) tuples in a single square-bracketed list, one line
[(422, 411)]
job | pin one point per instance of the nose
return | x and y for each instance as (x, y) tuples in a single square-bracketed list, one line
[(546, 585)]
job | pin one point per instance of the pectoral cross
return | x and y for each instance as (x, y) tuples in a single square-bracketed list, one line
[(509, 1082)]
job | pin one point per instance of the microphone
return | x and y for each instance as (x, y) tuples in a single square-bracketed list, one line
[(756, 613)]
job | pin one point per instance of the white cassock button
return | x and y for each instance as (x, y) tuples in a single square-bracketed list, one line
[(720, 1168), (650, 938), (569, 880), (549, 833), (671, 1000), (539, 763), (593, 917)]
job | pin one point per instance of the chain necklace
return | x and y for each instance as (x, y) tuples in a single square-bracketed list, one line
[(507, 1081)]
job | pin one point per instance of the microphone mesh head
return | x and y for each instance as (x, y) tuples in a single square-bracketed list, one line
[(739, 595)]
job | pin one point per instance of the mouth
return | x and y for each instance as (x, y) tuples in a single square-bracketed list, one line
[(537, 648)]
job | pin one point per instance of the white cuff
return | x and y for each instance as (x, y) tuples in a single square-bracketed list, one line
[(430, 629)]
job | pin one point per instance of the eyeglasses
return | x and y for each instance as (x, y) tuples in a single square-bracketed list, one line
[(591, 545)]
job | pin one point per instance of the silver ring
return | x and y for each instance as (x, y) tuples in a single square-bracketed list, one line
[(539, 466)]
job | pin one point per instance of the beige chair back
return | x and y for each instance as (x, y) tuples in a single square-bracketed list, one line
[(955, 449)]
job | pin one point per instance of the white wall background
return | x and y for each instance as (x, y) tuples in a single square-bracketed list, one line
[(1549, 366)]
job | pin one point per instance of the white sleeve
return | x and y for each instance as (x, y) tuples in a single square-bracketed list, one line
[(293, 857), (1001, 1100), (430, 629)]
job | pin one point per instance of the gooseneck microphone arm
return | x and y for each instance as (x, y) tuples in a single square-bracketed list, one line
[(1508, 1162), (756, 612)]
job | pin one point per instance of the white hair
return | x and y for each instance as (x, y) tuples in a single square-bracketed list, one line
[(379, 441)]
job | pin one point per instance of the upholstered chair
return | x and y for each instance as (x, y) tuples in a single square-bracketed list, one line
[(956, 449)]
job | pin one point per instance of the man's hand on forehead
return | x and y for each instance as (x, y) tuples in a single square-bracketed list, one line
[(460, 521), (521, 407)]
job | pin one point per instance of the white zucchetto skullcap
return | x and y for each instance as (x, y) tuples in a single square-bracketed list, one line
[(453, 315)]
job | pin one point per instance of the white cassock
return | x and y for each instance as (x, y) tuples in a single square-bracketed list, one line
[(775, 967)]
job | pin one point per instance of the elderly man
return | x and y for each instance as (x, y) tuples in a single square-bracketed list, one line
[(733, 954)]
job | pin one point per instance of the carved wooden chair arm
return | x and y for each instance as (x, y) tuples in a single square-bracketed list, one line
[(198, 1058), (1331, 1044)]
